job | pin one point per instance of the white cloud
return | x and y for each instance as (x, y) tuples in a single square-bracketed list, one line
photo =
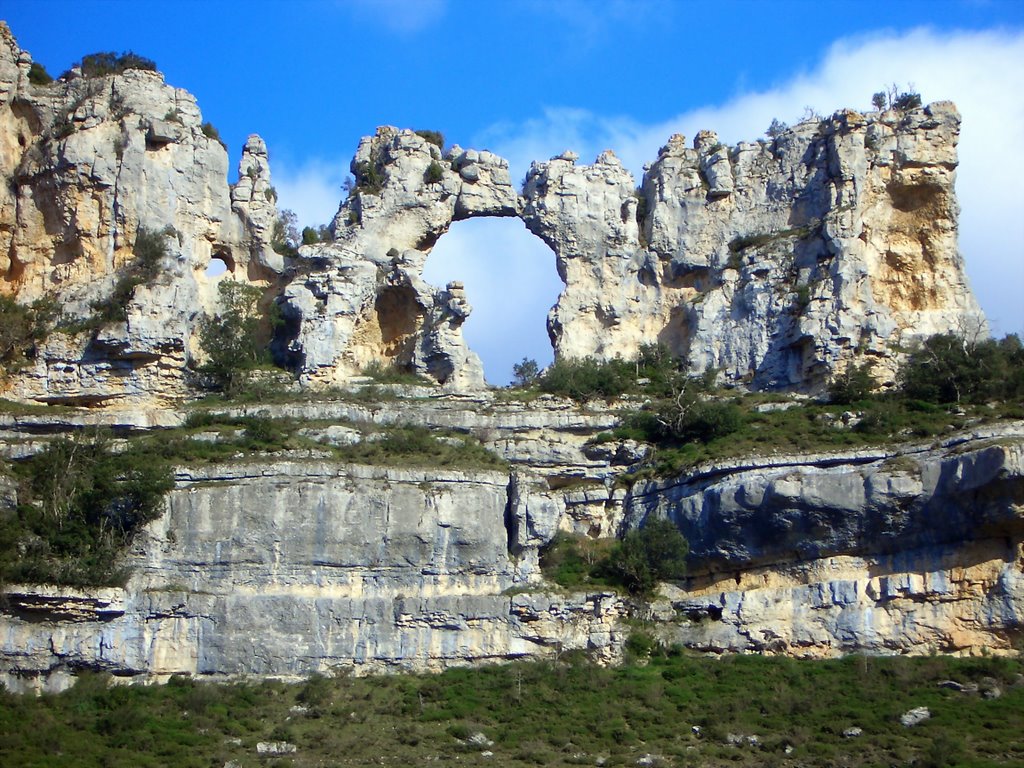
[(983, 72), (404, 17), (313, 190), (511, 283)]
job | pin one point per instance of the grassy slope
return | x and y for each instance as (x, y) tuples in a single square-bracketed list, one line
[(542, 714)]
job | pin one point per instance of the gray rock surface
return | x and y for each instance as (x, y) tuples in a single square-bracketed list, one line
[(778, 263), (915, 716), (361, 298), (87, 164), (293, 566)]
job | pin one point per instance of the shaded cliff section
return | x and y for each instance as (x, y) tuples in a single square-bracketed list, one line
[(778, 263)]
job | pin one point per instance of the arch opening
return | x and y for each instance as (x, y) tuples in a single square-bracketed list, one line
[(220, 263), (510, 281)]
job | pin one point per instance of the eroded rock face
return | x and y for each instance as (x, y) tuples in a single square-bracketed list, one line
[(292, 566), (778, 264), (864, 552), (362, 298), (308, 567), (89, 163)]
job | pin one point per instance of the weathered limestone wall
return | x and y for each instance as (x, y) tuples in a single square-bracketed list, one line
[(88, 163), (306, 567), (778, 263), (362, 298), (291, 566)]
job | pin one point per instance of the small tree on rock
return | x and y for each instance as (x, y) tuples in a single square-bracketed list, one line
[(656, 552), (231, 339), (526, 373)]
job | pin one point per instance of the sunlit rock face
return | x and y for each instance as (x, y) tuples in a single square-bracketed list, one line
[(88, 163), (361, 298), (292, 566), (777, 263)]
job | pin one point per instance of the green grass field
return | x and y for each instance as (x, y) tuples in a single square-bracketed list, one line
[(569, 713)]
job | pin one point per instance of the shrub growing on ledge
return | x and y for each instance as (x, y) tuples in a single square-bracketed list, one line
[(285, 237), (231, 339), (656, 552), (22, 328), (434, 173), (947, 368), (434, 137), (150, 251), (210, 131), (110, 63), (587, 378), (37, 74), (80, 505), (637, 562)]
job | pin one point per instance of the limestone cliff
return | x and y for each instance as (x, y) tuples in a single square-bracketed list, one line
[(777, 263), (89, 162), (362, 298), (292, 565)]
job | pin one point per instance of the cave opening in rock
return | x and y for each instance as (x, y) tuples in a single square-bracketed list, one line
[(510, 281)]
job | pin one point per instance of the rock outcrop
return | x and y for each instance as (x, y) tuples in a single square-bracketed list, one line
[(866, 551), (289, 566), (362, 299), (777, 263), (89, 163)]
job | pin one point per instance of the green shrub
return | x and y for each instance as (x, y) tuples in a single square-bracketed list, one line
[(525, 373), (947, 368), (110, 63), (776, 129), (415, 446), (587, 378), (434, 173), (641, 206), (653, 553), (369, 177), (150, 251), (656, 552), (853, 384), (231, 339), (392, 374), (434, 137), (37, 74), (577, 561), (803, 298), (80, 505), (708, 420), (210, 131), (640, 644), (22, 329), (907, 101)]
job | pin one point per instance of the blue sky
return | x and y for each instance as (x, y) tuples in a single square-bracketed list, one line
[(529, 79)]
